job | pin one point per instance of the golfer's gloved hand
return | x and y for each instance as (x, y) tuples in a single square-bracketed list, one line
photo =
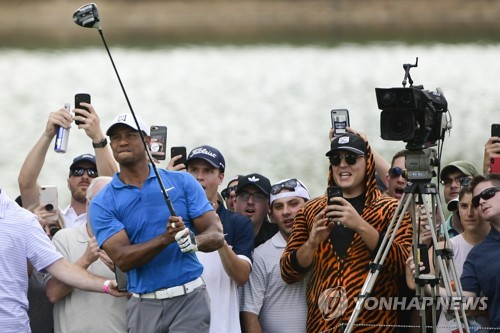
[(186, 241)]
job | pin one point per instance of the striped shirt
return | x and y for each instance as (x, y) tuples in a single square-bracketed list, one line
[(21, 239)]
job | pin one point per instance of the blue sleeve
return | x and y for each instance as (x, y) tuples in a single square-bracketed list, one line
[(103, 222), (243, 240), (195, 196), (469, 277)]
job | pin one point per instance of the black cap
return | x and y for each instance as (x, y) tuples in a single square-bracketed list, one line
[(255, 179), (349, 141)]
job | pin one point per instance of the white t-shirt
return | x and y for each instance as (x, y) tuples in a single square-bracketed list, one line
[(223, 292)]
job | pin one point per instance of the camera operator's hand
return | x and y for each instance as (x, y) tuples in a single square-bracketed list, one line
[(186, 240), (59, 118)]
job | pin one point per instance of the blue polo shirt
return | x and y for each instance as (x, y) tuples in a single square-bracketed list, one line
[(143, 213), (482, 273)]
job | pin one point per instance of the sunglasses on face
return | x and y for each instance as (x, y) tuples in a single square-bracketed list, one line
[(459, 180), (78, 172), (257, 196), (396, 172), (349, 158), (226, 193), (289, 184), (485, 195)]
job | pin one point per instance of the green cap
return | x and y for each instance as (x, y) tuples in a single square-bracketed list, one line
[(464, 167)]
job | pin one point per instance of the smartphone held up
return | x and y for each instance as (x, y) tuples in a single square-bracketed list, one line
[(48, 199), (176, 151), (158, 141), (79, 98), (340, 121)]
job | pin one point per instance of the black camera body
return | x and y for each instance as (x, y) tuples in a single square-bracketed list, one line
[(412, 115)]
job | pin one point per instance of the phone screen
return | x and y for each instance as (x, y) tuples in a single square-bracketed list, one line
[(174, 151), (495, 130), (158, 141), (340, 121), (78, 99)]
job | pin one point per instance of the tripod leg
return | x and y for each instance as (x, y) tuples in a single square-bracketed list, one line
[(379, 258)]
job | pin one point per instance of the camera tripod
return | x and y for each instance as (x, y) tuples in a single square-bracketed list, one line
[(418, 192)]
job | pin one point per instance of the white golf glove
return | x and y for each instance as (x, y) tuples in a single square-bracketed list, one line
[(187, 242)]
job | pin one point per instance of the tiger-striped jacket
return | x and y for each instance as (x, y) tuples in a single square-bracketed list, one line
[(335, 283)]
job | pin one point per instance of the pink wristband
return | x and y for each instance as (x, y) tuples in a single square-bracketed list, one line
[(105, 287)]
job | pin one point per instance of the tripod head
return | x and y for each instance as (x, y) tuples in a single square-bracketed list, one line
[(420, 165)]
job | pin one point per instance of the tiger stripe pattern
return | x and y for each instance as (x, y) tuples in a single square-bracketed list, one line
[(335, 283)]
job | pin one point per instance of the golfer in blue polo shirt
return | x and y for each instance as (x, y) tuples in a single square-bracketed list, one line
[(132, 223)]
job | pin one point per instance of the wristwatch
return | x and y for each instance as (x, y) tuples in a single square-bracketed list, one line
[(100, 144)]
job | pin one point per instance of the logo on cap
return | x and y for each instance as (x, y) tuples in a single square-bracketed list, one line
[(343, 140), (253, 179), (122, 117)]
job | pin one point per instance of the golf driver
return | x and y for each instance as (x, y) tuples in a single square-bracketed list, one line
[(87, 16)]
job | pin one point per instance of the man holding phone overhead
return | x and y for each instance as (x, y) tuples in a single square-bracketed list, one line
[(82, 170), (336, 241)]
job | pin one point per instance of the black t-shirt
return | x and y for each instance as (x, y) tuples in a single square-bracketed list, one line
[(341, 237), (267, 231)]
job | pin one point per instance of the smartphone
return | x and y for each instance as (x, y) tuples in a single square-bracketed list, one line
[(340, 121), (333, 191), (423, 256), (495, 130), (158, 141), (121, 279), (174, 151), (82, 97), (48, 199), (495, 165)]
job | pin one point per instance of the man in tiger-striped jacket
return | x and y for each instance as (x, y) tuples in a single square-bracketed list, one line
[(337, 242)]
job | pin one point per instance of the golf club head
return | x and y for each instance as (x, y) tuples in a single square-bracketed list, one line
[(87, 16)]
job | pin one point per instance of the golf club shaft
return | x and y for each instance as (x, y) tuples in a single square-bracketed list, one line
[(165, 194)]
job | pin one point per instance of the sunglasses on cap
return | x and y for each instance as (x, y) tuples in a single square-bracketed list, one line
[(396, 172), (78, 172), (289, 184), (485, 195), (226, 193), (349, 158)]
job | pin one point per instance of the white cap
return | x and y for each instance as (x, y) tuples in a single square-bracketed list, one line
[(128, 119)]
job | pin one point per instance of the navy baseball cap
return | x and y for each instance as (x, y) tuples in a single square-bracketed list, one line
[(83, 158), (209, 154), (255, 179)]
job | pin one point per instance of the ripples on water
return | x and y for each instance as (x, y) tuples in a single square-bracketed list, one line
[(265, 107)]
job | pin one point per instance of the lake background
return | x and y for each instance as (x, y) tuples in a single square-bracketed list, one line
[(266, 105)]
